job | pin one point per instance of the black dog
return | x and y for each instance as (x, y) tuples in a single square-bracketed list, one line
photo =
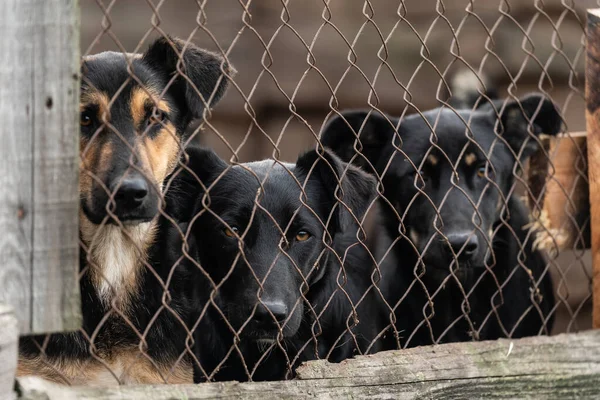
[(134, 114), (267, 240), (465, 259)]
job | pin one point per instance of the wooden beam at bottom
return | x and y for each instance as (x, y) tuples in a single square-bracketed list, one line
[(563, 366)]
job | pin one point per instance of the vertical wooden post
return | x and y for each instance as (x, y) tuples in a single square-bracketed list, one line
[(592, 115), (39, 94), (9, 338)]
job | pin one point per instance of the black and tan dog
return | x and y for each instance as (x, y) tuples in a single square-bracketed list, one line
[(135, 109), (466, 266)]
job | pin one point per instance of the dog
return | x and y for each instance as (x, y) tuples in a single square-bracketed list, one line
[(284, 275), (135, 109), (466, 269)]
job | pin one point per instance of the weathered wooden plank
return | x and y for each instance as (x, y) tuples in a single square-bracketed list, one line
[(9, 339), (592, 116), (39, 93), (547, 367), (56, 169)]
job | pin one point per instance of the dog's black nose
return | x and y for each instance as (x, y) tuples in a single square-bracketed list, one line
[(264, 310), (464, 244), (131, 192)]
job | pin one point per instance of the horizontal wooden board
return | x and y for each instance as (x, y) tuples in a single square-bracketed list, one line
[(562, 366)]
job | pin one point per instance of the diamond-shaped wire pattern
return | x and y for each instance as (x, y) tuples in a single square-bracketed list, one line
[(439, 209)]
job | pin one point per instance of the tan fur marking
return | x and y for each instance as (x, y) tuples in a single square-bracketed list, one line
[(87, 160), (72, 372), (162, 152), (470, 159), (104, 160), (137, 368), (128, 366), (93, 97), (141, 98), (138, 105), (95, 159), (432, 160)]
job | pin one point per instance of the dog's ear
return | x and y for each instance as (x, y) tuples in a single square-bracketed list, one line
[(200, 167), (370, 133), (202, 73), (355, 188), (533, 113)]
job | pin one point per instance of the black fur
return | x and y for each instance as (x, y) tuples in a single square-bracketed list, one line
[(202, 69), (416, 169), (302, 287)]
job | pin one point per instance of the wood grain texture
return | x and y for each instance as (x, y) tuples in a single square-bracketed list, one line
[(39, 163), (563, 366), (592, 116), (9, 339)]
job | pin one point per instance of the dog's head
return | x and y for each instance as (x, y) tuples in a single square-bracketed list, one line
[(134, 112), (263, 229), (451, 186)]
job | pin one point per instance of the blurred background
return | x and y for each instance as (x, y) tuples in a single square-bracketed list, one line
[(299, 59)]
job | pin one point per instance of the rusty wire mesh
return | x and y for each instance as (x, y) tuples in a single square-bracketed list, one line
[(300, 64)]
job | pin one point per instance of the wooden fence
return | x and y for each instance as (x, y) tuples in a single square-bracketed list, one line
[(39, 253), (39, 158), (562, 366)]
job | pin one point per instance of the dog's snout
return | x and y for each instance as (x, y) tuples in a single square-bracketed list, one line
[(131, 192), (464, 244), (268, 312)]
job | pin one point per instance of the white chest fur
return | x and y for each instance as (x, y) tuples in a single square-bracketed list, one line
[(116, 256)]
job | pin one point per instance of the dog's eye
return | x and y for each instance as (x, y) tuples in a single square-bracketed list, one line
[(302, 236), (85, 119), (481, 171), (231, 232)]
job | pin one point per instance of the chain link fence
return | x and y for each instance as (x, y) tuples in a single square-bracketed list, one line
[(449, 204)]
